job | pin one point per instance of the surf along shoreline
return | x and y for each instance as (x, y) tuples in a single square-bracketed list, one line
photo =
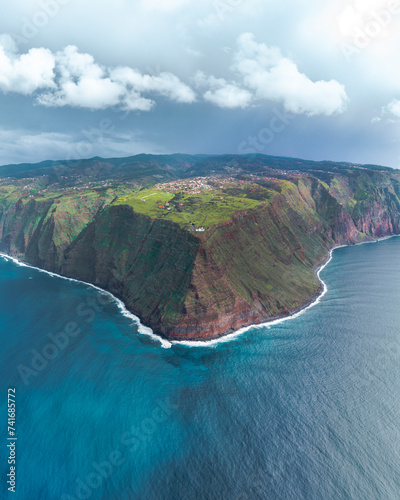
[(168, 343)]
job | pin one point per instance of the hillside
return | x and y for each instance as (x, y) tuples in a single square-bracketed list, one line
[(196, 246)]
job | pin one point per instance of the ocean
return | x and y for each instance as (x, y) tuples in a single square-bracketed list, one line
[(308, 408)]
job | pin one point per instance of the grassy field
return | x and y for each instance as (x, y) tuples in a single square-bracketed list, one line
[(203, 209), (206, 208)]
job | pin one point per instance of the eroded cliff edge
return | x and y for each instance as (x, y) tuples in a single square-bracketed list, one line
[(259, 264)]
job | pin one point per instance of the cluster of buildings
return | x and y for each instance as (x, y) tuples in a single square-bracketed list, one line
[(195, 185), (166, 206), (198, 229)]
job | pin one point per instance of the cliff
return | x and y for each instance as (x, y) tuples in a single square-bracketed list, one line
[(256, 264)]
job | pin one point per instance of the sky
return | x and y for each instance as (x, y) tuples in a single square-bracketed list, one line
[(310, 79)]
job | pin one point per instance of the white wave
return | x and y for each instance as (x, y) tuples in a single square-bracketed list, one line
[(142, 329)]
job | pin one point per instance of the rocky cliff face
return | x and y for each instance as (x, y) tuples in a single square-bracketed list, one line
[(257, 266)]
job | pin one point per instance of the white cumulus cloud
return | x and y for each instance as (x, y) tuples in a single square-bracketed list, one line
[(262, 73), (165, 84), (24, 73), (223, 93), (72, 78), (274, 77), (390, 112), (81, 83), (394, 107)]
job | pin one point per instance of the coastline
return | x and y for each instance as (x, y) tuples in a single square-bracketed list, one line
[(294, 314), (166, 344), (272, 321), (142, 329)]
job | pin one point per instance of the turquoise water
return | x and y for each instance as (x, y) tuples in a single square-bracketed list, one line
[(305, 409)]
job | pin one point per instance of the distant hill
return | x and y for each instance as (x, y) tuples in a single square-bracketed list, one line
[(150, 169)]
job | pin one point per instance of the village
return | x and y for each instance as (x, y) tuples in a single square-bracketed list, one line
[(197, 185), (194, 185)]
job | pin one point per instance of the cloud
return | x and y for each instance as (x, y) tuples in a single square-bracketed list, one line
[(355, 17), (81, 83), (222, 93), (133, 101), (229, 96), (72, 78), (273, 77), (390, 113), (26, 73), (165, 84), (263, 74), (20, 145), (92, 93), (394, 107)]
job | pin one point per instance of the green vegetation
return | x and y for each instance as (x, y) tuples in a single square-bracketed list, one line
[(340, 189), (205, 209)]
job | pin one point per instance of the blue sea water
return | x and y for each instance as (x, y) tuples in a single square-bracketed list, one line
[(305, 409)]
